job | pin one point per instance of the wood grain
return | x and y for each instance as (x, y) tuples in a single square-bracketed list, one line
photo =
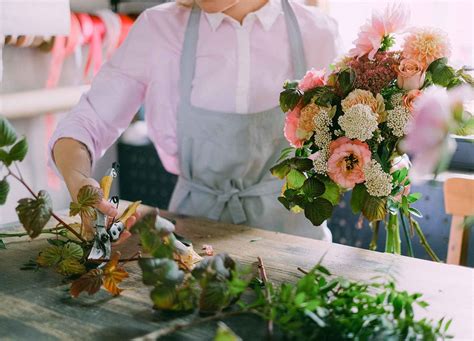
[(36, 305)]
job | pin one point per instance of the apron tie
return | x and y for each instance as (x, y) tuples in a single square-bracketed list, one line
[(231, 196)]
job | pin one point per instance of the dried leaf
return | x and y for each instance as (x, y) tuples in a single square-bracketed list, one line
[(35, 213), (114, 274), (90, 282), (208, 250)]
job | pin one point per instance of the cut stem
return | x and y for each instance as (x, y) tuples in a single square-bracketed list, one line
[(375, 235), (23, 234), (407, 235), (423, 240)]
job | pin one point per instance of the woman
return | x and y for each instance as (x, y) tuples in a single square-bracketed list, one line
[(208, 76)]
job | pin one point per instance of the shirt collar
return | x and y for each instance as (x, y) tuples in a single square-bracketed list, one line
[(267, 15)]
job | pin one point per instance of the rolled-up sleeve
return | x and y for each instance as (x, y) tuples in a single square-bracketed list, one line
[(116, 94)]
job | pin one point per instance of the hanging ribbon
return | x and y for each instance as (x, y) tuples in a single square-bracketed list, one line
[(113, 27)]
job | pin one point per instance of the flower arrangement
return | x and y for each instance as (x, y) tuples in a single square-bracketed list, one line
[(350, 128)]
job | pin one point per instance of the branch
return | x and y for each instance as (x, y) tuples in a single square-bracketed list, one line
[(264, 278), (52, 213), (179, 326)]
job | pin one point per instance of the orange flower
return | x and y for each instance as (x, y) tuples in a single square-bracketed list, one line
[(426, 45), (410, 97)]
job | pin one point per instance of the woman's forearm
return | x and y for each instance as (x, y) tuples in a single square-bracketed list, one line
[(73, 161)]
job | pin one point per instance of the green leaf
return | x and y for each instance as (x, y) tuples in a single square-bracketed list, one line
[(415, 212), (87, 198), (359, 195), (345, 81), (289, 98), (413, 197), (318, 211), (50, 256), (4, 189), (441, 73), (313, 188), (2, 245), (5, 157), (163, 271), (281, 170), (7, 133), (295, 179), (302, 164), (284, 202), (72, 251), (374, 208), (285, 152), (331, 192), (70, 267), (19, 150), (224, 333), (35, 213)]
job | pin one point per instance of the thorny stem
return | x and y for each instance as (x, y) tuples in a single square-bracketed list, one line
[(124, 260), (20, 179), (302, 270), (179, 326), (264, 278), (375, 235), (423, 241)]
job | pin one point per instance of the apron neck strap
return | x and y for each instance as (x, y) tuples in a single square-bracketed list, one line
[(188, 54)]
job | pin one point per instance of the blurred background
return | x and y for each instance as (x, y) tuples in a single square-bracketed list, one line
[(34, 95)]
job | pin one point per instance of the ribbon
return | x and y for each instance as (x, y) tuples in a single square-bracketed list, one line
[(113, 27)]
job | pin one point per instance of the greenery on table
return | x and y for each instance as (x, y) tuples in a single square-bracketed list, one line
[(319, 306)]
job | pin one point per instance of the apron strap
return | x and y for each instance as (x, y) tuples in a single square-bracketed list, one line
[(230, 196), (295, 40), (191, 35)]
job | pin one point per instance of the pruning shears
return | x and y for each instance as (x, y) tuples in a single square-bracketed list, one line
[(104, 236)]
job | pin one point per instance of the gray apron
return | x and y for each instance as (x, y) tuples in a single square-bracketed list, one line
[(225, 157)]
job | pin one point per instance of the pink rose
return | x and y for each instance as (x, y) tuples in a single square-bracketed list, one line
[(347, 159), (411, 75), (410, 97), (312, 79), (291, 127)]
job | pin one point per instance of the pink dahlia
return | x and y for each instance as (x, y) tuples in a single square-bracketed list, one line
[(371, 35), (426, 45), (312, 79), (347, 159)]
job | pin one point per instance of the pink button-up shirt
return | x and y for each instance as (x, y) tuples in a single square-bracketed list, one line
[(239, 68)]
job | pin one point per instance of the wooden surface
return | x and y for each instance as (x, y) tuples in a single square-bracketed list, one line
[(36, 305)]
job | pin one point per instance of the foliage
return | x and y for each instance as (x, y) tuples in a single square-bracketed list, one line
[(65, 257), (110, 276), (211, 286), (35, 213), (87, 197)]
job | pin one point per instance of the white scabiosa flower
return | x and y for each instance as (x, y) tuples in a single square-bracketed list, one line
[(398, 117), (320, 162), (377, 182), (358, 122)]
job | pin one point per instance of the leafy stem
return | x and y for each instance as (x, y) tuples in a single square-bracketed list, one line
[(53, 230), (268, 295), (423, 240), (67, 226)]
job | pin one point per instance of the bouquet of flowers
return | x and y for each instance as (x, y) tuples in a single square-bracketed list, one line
[(348, 127)]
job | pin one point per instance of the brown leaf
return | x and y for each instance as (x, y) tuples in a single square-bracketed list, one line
[(87, 197), (114, 274), (90, 282)]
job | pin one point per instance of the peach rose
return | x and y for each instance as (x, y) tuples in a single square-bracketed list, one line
[(312, 79), (411, 74), (410, 97), (347, 159)]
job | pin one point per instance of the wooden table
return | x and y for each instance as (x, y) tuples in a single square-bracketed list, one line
[(36, 305)]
